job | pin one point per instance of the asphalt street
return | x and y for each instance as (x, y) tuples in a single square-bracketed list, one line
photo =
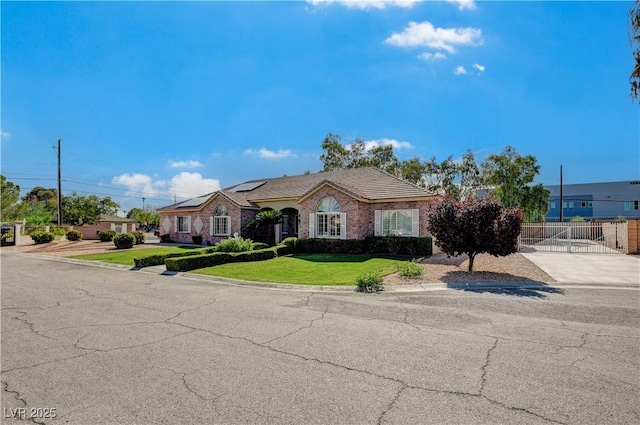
[(83, 344)]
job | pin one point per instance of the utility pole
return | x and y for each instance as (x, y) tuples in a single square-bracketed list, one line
[(561, 197), (142, 203), (59, 188)]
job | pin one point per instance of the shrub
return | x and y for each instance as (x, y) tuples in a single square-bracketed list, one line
[(74, 235), (409, 269), (282, 250), (124, 240), (370, 282), (58, 231), (39, 236), (106, 235), (291, 242), (259, 245), (193, 262), (399, 245), (197, 240), (331, 246), (139, 237), (376, 245), (166, 238), (159, 259), (234, 245)]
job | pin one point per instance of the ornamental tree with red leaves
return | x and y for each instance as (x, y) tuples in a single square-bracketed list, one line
[(475, 226)]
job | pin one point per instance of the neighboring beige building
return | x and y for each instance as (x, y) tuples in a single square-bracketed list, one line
[(344, 204), (119, 224)]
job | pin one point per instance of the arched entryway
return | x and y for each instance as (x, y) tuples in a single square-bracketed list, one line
[(289, 224)]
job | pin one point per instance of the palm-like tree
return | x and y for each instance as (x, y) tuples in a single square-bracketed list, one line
[(268, 218)]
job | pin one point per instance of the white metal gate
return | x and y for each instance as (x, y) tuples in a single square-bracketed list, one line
[(581, 237)]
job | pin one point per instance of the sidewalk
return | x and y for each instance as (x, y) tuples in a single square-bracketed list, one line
[(588, 268)]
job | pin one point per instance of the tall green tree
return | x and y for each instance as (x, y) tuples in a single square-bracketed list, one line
[(148, 217), (509, 176), (78, 210), (40, 206), (413, 170), (9, 196), (337, 156), (456, 179), (634, 21)]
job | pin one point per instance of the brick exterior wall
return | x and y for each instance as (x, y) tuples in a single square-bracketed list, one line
[(238, 217), (360, 215), (90, 231)]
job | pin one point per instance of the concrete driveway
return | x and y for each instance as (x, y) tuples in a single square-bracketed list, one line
[(87, 344), (602, 269)]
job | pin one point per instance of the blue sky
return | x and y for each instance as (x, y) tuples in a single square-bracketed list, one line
[(172, 99)]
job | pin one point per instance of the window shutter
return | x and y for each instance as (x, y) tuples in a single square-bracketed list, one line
[(415, 222), (175, 224), (312, 225), (211, 226), (228, 220), (377, 227), (343, 225), (189, 224)]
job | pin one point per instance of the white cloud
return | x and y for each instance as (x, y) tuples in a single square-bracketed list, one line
[(268, 154), (138, 184), (424, 34), (189, 185), (183, 185), (370, 144), (480, 68), (367, 4), (4, 135), (185, 164), (460, 70), (464, 4), (430, 57)]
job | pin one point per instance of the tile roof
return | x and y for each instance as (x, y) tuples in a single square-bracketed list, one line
[(368, 184)]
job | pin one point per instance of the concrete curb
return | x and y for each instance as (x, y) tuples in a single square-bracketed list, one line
[(414, 288)]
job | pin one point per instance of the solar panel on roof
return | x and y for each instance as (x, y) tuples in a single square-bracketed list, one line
[(246, 187), (192, 203)]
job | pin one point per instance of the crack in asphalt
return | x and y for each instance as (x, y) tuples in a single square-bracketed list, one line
[(390, 405), (194, 392), (19, 397), (483, 378), (311, 322), (30, 326), (405, 320), (403, 384)]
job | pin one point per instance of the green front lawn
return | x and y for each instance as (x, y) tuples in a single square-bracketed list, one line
[(306, 269), (126, 256)]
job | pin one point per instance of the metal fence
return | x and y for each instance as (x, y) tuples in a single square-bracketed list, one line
[(593, 238)]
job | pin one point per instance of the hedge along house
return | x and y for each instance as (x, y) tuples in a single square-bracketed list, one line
[(343, 204)]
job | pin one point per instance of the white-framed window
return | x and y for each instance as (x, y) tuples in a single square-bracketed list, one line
[(397, 222), (183, 224), (220, 222), (328, 221), (627, 205), (328, 225)]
